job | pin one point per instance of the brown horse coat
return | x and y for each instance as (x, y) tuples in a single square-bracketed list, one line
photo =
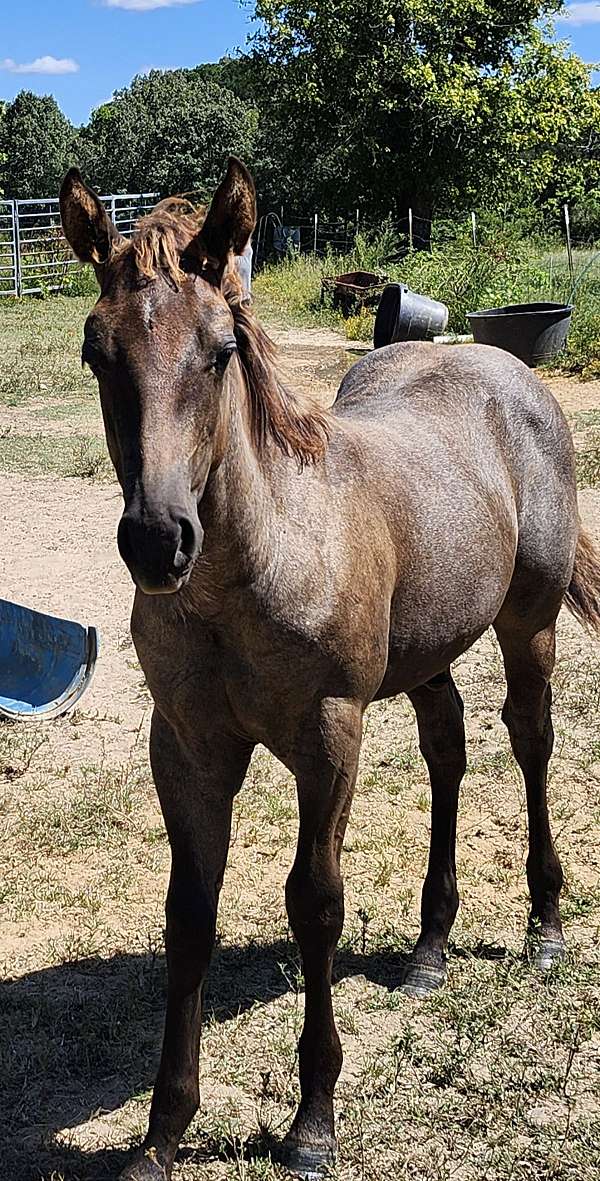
[(292, 565)]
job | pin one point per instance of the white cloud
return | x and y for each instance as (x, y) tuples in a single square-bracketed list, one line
[(587, 13), (146, 5), (41, 65)]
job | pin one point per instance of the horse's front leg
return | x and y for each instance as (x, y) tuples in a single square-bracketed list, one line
[(326, 773), (196, 795)]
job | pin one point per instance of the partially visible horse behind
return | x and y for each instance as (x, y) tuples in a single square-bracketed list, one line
[(292, 566)]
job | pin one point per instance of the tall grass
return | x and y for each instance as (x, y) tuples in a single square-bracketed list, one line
[(502, 269)]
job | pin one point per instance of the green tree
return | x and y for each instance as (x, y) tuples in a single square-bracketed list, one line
[(169, 131), (36, 146), (388, 104)]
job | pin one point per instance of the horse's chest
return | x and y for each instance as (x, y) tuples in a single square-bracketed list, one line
[(259, 676)]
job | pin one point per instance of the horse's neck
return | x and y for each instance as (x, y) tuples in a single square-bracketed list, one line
[(238, 511)]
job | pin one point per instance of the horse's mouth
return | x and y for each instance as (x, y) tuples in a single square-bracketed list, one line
[(171, 584)]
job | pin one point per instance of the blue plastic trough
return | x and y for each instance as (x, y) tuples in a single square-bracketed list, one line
[(45, 663)]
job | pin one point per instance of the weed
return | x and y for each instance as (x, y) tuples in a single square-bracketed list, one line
[(90, 461)]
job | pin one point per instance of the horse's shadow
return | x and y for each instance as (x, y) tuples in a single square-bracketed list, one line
[(83, 1038)]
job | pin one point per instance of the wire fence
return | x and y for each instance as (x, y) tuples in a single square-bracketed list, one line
[(551, 261), (35, 257)]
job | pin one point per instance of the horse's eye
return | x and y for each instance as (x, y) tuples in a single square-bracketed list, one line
[(223, 357), (91, 355)]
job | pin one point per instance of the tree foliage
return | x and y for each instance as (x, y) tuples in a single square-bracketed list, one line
[(36, 145), (169, 131), (428, 103)]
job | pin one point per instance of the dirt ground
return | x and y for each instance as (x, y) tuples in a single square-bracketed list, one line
[(496, 1077)]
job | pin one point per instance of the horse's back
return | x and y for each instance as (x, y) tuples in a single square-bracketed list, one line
[(482, 399), (442, 380), (482, 443)]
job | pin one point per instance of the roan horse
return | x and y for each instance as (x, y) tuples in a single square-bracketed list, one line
[(292, 565)]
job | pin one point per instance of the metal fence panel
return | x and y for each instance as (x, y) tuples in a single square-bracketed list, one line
[(34, 254), (8, 249)]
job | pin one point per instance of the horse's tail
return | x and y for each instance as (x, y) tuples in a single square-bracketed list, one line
[(583, 595)]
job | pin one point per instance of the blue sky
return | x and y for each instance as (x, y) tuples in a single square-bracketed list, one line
[(82, 50)]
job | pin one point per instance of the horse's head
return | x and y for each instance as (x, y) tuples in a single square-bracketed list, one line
[(159, 341)]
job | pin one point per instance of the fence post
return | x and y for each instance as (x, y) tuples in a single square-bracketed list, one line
[(569, 244), (316, 231), (474, 228), (17, 240), (411, 240)]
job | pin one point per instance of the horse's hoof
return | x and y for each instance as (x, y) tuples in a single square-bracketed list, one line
[(421, 979), (144, 1167), (548, 952), (309, 1164)]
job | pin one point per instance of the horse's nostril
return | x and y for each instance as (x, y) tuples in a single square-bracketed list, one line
[(181, 562), (189, 542)]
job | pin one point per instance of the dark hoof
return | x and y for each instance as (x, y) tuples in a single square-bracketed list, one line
[(421, 979), (548, 952), (310, 1164), (144, 1167)]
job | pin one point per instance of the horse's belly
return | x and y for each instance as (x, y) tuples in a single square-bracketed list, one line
[(430, 631)]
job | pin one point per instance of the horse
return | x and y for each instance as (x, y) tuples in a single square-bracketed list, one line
[(292, 565)]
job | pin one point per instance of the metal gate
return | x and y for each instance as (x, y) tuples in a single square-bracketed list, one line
[(9, 284), (34, 255)]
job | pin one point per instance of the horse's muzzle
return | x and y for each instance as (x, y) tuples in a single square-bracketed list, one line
[(160, 550)]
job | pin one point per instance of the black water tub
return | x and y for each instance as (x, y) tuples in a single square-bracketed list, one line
[(534, 332)]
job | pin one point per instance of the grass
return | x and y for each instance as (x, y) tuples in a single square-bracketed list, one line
[(494, 1077), (40, 347), (50, 422), (40, 455)]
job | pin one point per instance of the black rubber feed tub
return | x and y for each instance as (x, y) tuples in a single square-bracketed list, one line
[(405, 315), (534, 332)]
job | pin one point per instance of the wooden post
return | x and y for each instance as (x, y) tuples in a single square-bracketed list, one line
[(569, 244)]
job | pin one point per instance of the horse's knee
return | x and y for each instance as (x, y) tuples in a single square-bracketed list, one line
[(445, 752), (440, 717), (315, 900), (191, 927)]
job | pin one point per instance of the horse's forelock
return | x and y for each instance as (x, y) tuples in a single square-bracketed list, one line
[(162, 236)]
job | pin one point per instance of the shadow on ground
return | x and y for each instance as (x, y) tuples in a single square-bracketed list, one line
[(83, 1038)]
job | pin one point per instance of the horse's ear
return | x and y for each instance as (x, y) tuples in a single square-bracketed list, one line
[(231, 217), (87, 226)]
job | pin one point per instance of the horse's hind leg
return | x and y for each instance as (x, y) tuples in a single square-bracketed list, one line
[(529, 663), (439, 711)]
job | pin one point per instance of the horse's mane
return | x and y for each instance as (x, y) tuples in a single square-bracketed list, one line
[(297, 426)]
